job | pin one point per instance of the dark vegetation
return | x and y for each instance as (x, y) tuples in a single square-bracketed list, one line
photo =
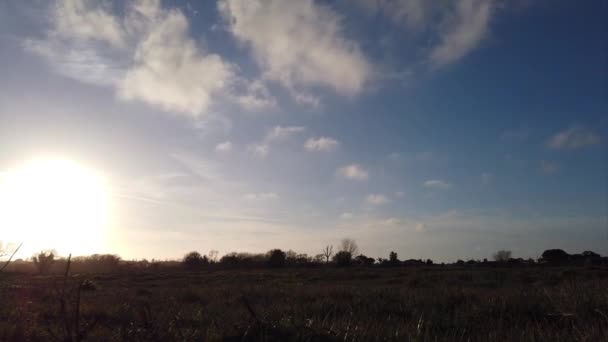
[(283, 296)]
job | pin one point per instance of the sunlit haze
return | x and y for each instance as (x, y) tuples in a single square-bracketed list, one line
[(54, 204), (436, 129)]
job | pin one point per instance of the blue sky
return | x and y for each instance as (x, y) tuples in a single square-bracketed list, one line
[(438, 130)]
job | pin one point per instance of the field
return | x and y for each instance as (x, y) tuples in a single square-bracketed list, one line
[(438, 303)]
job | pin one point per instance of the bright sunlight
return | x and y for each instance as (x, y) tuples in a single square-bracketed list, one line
[(54, 204)]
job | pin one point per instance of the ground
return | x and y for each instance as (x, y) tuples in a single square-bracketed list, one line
[(438, 303)]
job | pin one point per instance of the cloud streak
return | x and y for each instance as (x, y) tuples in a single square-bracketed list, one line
[(573, 138), (353, 172), (321, 144), (437, 184)]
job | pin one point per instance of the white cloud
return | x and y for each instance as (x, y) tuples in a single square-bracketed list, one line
[(80, 20), (391, 221), (261, 196), (346, 216), (146, 54), (487, 178), (170, 71), (573, 138), (299, 44), (274, 135), (353, 172), (257, 98), (259, 150), (377, 199), (420, 227), (437, 184), (323, 144), (463, 31), (224, 147), (279, 133), (548, 167)]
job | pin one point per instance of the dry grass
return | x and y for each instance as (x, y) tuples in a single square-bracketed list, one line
[(374, 304)]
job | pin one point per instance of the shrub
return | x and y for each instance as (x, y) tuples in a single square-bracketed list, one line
[(276, 258), (194, 260), (393, 259), (343, 258)]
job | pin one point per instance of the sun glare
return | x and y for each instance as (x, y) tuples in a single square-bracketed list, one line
[(54, 204)]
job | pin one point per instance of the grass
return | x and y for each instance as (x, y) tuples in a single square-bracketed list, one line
[(356, 304)]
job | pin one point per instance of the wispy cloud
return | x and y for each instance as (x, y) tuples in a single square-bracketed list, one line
[(346, 216), (377, 199), (487, 178), (274, 135), (463, 31), (391, 221), (420, 227), (573, 138), (224, 147), (256, 97), (259, 150), (548, 167), (278, 133), (437, 184), (321, 144), (456, 27), (147, 54), (353, 172), (261, 196)]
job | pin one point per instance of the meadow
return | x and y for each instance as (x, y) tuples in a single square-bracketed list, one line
[(359, 303)]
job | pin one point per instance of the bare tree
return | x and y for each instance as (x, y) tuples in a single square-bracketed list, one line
[(328, 251), (502, 255), (213, 255), (350, 246)]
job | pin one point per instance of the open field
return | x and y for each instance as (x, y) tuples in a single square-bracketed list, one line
[(311, 304)]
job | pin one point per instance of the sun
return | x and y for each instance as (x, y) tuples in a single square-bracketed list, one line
[(54, 204)]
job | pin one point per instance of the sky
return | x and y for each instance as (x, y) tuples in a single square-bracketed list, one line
[(442, 130)]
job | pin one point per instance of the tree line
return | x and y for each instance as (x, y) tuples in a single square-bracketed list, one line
[(347, 254)]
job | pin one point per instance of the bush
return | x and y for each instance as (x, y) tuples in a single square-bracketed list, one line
[(393, 259), (276, 258), (343, 258), (194, 260)]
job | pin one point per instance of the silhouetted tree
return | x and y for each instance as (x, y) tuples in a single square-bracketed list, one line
[(393, 259), (429, 261), (343, 258), (364, 260), (555, 256), (328, 251), (43, 261), (213, 255), (277, 258), (350, 246), (194, 260), (590, 254), (502, 255), (319, 258)]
